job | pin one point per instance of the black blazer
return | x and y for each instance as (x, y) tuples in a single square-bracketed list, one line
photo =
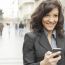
[(36, 45)]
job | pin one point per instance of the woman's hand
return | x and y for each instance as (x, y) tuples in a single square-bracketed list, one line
[(49, 58)]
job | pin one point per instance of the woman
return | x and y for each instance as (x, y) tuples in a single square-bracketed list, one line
[(47, 25)]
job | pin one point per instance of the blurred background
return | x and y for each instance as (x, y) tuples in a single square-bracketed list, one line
[(15, 17)]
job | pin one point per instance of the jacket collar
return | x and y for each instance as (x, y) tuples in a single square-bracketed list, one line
[(44, 41)]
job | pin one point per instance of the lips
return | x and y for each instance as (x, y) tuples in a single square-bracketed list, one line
[(50, 24)]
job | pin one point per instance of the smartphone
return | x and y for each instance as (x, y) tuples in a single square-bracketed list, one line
[(56, 50)]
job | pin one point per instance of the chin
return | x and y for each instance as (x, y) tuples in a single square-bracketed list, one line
[(50, 29)]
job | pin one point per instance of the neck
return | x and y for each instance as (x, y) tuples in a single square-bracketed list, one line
[(49, 36), (49, 33)]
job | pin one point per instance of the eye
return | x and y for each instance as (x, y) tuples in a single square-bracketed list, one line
[(55, 15)]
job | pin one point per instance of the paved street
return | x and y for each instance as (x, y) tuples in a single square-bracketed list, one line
[(11, 47)]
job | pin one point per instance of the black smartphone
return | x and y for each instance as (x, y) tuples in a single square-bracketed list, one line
[(56, 50)]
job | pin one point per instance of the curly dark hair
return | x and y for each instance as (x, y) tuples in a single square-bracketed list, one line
[(44, 8)]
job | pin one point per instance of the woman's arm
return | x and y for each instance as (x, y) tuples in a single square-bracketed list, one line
[(28, 51)]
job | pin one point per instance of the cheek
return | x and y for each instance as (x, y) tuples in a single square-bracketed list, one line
[(44, 21), (56, 19), (44, 24)]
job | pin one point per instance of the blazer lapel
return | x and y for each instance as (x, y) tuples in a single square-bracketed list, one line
[(44, 42), (59, 41)]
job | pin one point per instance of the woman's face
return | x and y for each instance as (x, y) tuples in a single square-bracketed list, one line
[(50, 20)]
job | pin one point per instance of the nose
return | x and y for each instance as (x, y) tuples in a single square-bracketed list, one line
[(51, 19)]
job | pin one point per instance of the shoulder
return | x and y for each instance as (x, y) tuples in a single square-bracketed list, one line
[(31, 35), (29, 40)]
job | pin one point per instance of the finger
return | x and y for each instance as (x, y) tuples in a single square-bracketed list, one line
[(48, 53), (54, 54), (55, 60), (58, 58)]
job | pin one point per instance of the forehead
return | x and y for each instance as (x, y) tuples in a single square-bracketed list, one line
[(54, 11)]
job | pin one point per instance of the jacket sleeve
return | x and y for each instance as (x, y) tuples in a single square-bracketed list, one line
[(28, 51)]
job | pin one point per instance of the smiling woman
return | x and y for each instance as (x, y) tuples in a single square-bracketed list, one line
[(47, 33)]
